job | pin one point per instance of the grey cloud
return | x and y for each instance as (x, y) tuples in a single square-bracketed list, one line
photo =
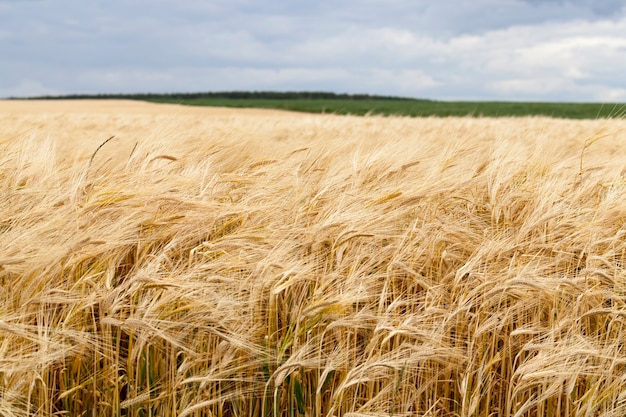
[(608, 7), (444, 49), (602, 8)]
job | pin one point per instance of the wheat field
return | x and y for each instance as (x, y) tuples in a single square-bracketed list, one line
[(157, 260)]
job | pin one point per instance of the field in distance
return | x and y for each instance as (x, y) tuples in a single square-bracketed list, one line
[(312, 102), (158, 259)]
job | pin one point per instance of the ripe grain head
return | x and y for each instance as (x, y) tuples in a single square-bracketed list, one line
[(251, 264)]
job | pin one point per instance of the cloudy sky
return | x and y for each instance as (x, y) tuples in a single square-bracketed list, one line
[(555, 50)]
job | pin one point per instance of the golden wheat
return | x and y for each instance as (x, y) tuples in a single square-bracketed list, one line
[(247, 263)]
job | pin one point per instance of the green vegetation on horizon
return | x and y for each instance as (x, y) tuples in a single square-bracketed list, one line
[(362, 104), (419, 108)]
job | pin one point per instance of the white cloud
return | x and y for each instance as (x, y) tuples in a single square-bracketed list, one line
[(529, 88), (485, 49), (26, 87), (185, 79)]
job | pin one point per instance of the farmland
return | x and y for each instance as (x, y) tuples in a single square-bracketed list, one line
[(158, 259), (415, 108), (345, 104)]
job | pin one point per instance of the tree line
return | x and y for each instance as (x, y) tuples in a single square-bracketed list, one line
[(237, 95)]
